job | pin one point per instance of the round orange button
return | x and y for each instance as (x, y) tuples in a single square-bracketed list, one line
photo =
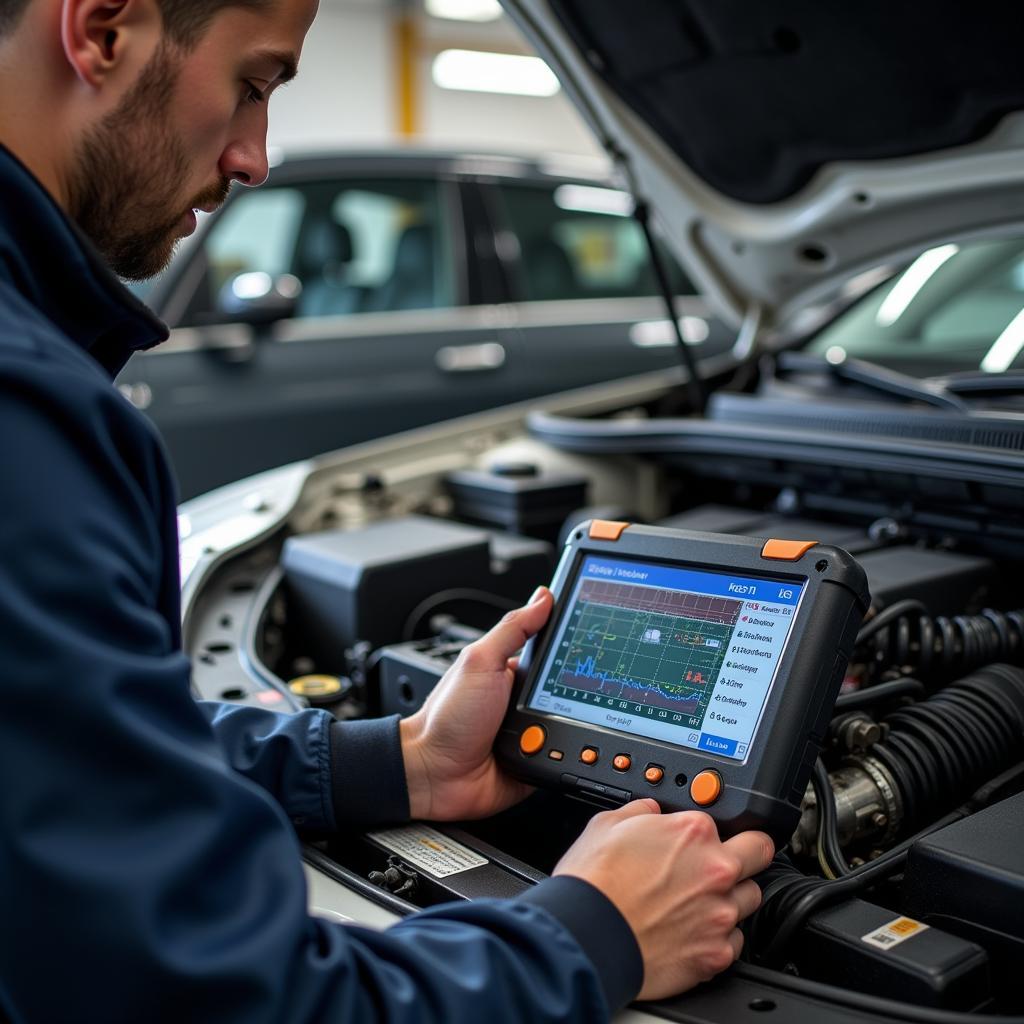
[(706, 788), (588, 755), (532, 739), (654, 774), (622, 762)]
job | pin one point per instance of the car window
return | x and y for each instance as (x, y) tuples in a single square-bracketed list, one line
[(954, 308), (256, 233), (578, 241), (140, 289), (354, 246)]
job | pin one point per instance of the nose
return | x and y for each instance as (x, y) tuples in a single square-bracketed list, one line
[(244, 159)]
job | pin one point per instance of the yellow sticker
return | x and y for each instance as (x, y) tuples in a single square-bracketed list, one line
[(892, 934), (904, 926)]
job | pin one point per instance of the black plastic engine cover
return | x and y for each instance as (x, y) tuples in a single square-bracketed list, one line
[(870, 949), (969, 879)]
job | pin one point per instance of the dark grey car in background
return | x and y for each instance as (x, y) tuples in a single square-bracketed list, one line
[(358, 295)]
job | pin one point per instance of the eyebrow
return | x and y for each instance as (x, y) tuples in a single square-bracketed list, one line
[(288, 61)]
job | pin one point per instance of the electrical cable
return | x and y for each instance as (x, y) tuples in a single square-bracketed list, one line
[(830, 855), (795, 904), (869, 696), (887, 615)]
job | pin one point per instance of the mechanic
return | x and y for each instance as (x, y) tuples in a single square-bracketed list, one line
[(149, 861)]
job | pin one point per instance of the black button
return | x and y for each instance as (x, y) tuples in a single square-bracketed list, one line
[(599, 789)]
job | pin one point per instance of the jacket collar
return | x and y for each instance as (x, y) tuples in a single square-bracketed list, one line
[(45, 257)]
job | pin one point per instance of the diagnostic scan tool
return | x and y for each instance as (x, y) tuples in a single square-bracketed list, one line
[(695, 668)]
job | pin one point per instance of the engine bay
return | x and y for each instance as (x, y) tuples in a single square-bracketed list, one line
[(904, 879)]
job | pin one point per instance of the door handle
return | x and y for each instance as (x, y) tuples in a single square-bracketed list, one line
[(488, 355)]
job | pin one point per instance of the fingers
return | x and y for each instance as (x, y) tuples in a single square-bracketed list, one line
[(754, 851), (633, 809), (735, 940), (492, 651), (748, 897)]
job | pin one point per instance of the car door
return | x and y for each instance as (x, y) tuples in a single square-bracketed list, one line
[(378, 338), (584, 291)]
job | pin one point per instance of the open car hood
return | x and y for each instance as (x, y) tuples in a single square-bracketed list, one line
[(788, 145)]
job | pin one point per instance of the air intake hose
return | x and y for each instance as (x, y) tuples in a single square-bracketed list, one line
[(933, 754)]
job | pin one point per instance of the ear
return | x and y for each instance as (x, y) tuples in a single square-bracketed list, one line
[(99, 36)]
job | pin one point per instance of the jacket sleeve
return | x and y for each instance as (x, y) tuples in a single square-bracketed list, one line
[(142, 877), (324, 773)]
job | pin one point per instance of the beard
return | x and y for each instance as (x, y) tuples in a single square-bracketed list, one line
[(124, 191)]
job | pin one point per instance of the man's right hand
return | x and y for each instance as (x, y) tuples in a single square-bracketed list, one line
[(680, 888)]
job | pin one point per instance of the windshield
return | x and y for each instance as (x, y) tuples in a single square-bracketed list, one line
[(955, 308)]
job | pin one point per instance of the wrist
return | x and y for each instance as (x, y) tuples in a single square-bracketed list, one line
[(417, 778)]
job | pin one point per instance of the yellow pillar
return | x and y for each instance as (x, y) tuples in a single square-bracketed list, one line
[(406, 49)]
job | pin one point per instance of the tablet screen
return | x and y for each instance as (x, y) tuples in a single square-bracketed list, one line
[(685, 656)]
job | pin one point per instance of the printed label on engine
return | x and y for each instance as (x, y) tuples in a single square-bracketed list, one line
[(429, 850), (893, 933)]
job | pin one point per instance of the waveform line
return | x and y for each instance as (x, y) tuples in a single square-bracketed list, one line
[(587, 669)]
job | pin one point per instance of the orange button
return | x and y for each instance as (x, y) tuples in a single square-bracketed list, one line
[(654, 774), (606, 529), (622, 762), (786, 550), (706, 788), (588, 755), (532, 739), (555, 755)]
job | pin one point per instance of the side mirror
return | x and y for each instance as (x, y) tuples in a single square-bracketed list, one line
[(257, 299)]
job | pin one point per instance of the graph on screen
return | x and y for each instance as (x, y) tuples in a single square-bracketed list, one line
[(643, 648)]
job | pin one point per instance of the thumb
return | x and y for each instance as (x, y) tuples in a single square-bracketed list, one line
[(492, 651)]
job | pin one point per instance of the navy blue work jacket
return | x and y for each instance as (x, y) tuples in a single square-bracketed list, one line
[(149, 866)]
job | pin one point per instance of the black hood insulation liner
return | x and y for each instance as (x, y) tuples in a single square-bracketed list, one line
[(756, 97)]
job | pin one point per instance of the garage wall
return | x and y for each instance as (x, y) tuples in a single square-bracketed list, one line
[(501, 122), (347, 91)]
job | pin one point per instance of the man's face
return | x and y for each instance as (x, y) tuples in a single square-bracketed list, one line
[(192, 123)]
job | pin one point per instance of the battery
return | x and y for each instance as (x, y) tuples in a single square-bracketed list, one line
[(868, 948)]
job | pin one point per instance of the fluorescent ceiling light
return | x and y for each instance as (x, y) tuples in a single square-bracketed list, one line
[(589, 199), (913, 279), (476, 71), (464, 10)]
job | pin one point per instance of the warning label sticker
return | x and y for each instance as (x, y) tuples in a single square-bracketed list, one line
[(429, 850), (893, 933)]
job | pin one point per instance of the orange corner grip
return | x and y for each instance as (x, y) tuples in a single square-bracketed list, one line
[(606, 529), (786, 550)]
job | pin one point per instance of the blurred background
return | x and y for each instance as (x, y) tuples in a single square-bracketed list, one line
[(445, 72), (439, 236)]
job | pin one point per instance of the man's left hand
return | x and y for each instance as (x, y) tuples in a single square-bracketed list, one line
[(447, 745)]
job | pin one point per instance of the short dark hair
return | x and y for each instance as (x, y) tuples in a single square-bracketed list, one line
[(185, 21)]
